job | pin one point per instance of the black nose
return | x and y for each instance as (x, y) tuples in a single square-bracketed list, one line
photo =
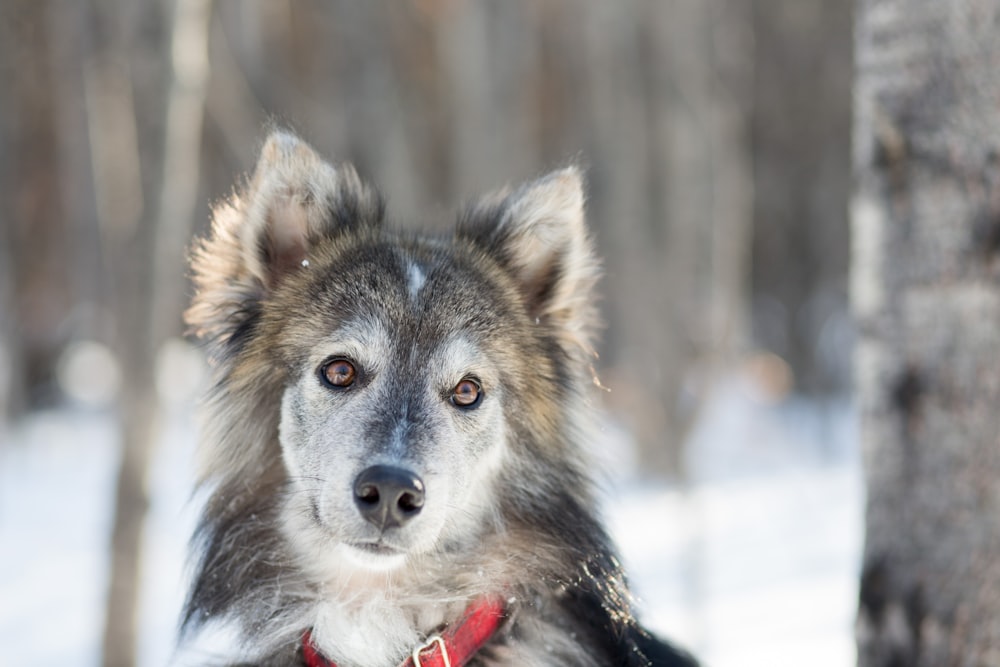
[(388, 497)]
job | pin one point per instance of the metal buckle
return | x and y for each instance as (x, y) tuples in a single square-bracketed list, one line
[(436, 639)]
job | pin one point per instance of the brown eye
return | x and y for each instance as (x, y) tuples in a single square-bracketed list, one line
[(339, 373), (466, 394)]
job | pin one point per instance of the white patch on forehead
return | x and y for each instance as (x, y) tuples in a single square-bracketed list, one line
[(415, 279)]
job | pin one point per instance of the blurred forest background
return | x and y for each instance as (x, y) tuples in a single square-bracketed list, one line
[(715, 133)]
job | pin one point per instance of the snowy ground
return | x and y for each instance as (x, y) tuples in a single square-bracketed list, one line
[(755, 564)]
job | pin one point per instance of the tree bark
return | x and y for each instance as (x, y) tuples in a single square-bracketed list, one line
[(926, 294)]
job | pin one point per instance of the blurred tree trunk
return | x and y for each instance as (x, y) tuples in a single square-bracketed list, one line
[(12, 383), (670, 100), (801, 171), (34, 220), (11, 376), (145, 84), (127, 237), (9, 373), (926, 292)]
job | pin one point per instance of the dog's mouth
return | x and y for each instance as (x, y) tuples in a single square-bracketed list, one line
[(373, 556), (376, 548)]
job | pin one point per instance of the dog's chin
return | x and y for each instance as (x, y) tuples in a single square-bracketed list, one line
[(371, 557)]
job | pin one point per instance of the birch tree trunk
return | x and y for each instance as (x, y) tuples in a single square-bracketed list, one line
[(926, 293)]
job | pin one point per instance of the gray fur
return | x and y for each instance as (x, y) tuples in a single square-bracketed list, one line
[(299, 269)]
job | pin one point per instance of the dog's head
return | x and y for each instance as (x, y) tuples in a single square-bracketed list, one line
[(404, 377)]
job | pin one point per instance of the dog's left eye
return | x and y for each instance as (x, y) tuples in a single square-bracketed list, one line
[(338, 373), (467, 394)]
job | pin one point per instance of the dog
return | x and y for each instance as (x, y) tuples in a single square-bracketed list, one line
[(392, 440)]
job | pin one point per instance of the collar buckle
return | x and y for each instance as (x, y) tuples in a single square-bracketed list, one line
[(429, 644)]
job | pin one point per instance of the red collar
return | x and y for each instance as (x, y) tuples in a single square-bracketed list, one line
[(452, 648)]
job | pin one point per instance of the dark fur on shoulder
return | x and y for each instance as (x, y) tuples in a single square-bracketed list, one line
[(300, 271)]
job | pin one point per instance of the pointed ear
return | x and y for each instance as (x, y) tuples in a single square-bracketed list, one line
[(538, 233), (294, 200)]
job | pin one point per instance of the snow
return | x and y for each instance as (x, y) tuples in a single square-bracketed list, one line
[(754, 562)]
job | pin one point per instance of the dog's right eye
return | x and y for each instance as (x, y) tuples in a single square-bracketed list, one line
[(466, 394), (338, 373)]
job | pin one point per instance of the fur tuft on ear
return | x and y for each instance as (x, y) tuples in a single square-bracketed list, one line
[(293, 201), (537, 232)]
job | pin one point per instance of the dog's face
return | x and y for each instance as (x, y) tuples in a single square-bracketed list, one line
[(405, 367), (392, 423)]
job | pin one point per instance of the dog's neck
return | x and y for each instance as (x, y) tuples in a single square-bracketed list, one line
[(367, 617), (371, 619), (370, 632), (453, 645)]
